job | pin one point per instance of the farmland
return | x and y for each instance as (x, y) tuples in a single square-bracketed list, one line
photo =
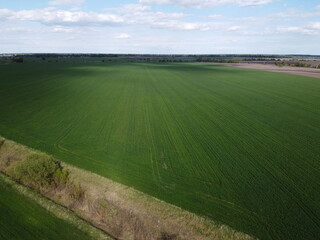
[(239, 146)]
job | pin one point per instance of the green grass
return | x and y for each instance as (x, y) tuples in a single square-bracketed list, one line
[(239, 146), (21, 218)]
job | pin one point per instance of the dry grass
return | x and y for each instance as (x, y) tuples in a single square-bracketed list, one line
[(135, 211), (11, 152)]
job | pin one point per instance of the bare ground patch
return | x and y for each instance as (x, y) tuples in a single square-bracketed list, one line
[(309, 72)]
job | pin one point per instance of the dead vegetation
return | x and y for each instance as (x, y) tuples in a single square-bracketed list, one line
[(118, 210)]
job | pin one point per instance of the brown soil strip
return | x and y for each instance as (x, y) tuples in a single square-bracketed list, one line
[(309, 72)]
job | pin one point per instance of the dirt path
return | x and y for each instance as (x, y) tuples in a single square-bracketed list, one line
[(309, 72)]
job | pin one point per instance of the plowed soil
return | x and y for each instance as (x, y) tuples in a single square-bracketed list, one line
[(309, 72)]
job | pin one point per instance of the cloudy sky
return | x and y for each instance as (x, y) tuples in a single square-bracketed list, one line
[(160, 26)]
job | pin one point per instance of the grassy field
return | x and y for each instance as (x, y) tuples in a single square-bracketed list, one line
[(239, 146), (22, 219)]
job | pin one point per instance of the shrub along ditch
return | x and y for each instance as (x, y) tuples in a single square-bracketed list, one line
[(41, 172)]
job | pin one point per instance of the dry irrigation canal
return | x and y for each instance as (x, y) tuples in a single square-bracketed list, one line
[(239, 146)]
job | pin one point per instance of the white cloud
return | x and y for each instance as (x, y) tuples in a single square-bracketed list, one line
[(235, 19), (123, 36), (207, 3), (133, 14), (68, 3), (126, 15), (249, 19), (62, 29), (292, 12), (133, 8), (188, 26), (141, 14), (216, 17), (5, 13), (252, 2), (312, 28), (235, 28), (51, 16), (67, 21), (314, 25)]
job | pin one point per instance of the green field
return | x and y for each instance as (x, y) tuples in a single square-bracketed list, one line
[(239, 146), (22, 219)]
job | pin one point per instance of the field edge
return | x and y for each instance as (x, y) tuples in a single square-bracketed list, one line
[(111, 202), (54, 208)]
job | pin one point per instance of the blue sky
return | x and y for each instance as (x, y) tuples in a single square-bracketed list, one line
[(160, 26)]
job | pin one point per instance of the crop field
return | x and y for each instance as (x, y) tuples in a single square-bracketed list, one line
[(23, 219), (239, 146)]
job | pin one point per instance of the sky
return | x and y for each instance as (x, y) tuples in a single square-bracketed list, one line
[(160, 26)]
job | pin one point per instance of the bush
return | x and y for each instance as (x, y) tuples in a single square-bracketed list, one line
[(37, 169), (61, 176), (280, 64)]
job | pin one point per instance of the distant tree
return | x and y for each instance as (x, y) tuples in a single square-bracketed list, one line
[(280, 64), (17, 59)]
